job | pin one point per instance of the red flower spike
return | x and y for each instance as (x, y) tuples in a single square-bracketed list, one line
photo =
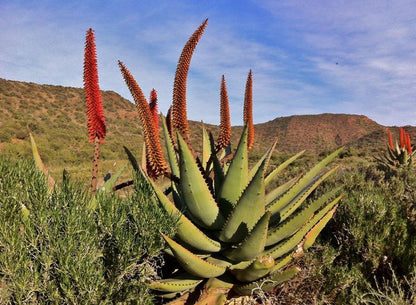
[(408, 144), (95, 112), (153, 108), (390, 139), (248, 110)]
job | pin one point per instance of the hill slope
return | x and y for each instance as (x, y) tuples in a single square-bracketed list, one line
[(57, 117)]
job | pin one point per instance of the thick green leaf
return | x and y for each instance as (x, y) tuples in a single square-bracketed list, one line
[(173, 162), (281, 167), (253, 244), (266, 157), (302, 183), (279, 191), (194, 191), (257, 269), (192, 263), (109, 184), (286, 211), (296, 221), (39, 163), (291, 243), (206, 147), (250, 207), (177, 284), (237, 175), (281, 263), (314, 232), (186, 230), (132, 159)]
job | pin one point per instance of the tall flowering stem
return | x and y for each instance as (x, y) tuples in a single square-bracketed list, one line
[(95, 112), (391, 145), (225, 123), (407, 144), (179, 117), (248, 110), (156, 161)]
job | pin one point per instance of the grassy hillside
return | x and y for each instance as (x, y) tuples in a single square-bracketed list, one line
[(57, 117)]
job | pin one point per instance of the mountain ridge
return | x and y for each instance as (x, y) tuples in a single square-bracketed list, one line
[(57, 117)]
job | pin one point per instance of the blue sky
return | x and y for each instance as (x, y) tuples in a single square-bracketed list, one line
[(307, 57)]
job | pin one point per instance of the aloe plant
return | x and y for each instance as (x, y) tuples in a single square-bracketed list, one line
[(232, 234), (399, 154)]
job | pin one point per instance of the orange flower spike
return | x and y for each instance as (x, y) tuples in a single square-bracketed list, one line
[(179, 118), (225, 124), (408, 144), (390, 139), (248, 110), (95, 112), (156, 160), (153, 108)]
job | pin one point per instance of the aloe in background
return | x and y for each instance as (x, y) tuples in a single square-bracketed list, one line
[(397, 155), (95, 112)]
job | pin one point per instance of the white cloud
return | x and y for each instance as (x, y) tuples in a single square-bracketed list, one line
[(363, 49), (307, 57)]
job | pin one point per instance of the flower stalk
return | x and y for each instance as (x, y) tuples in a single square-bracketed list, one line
[(95, 112)]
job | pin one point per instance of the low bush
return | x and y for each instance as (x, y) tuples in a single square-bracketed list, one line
[(368, 251), (54, 250)]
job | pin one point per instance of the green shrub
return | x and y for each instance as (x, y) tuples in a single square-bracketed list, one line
[(367, 253), (372, 241), (63, 253)]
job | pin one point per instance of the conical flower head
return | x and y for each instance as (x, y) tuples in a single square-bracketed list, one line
[(225, 124), (390, 139), (408, 145), (155, 159), (179, 117), (95, 112), (248, 110)]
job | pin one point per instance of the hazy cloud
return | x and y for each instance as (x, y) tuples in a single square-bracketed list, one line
[(306, 56)]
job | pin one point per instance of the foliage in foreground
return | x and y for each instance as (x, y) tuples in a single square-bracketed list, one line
[(367, 255), (369, 250), (53, 249)]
